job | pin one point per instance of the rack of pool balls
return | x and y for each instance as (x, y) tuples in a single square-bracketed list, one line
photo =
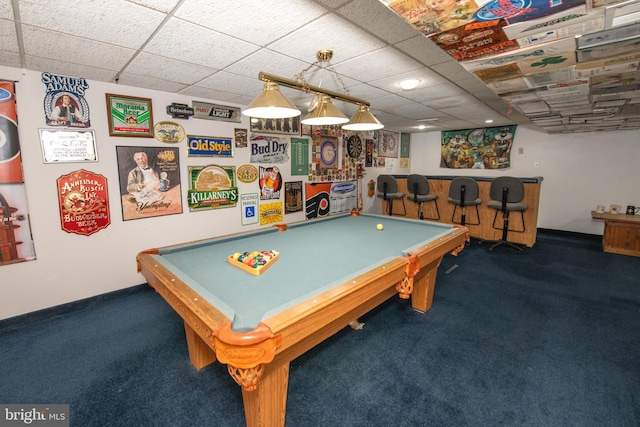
[(254, 262)]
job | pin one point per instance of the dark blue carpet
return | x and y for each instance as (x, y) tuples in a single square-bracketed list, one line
[(547, 338)]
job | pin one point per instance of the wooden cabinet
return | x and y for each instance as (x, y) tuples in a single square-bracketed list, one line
[(439, 185), (621, 233)]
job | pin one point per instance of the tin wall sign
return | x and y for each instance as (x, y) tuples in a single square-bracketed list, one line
[(168, 132), (60, 146), (209, 146), (64, 102), (212, 187), (179, 111), (129, 116), (84, 202), (205, 110)]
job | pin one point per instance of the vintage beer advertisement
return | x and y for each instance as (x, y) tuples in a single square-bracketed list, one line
[(212, 187), (84, 202)]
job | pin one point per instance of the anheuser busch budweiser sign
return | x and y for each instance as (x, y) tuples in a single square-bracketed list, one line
[(84, 202)]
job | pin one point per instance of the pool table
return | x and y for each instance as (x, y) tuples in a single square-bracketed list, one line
[(330, 271)]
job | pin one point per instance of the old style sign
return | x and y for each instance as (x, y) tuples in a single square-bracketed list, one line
[(84, 202)]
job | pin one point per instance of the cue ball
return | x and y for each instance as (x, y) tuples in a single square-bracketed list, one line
[(379, 226)]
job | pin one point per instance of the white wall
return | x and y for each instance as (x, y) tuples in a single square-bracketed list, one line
[(70, 267), (580, 171)]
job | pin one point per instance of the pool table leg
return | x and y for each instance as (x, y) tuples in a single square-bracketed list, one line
[(424, 285), (200, 353), (267, 404)]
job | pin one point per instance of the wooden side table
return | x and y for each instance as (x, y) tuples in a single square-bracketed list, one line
[(621, 233)]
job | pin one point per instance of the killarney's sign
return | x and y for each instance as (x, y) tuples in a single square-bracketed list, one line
[(212, 187)]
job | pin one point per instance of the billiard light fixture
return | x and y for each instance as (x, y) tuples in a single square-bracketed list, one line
[(272, 104)]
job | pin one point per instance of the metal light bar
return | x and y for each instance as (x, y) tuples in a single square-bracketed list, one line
[(293, 84)]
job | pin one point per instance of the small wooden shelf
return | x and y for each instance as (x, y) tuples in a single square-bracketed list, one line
[(621, 233)]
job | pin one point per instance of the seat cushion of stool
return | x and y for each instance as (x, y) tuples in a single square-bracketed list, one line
[(392, 195), (422, 197), (496, 204), (477, 201)]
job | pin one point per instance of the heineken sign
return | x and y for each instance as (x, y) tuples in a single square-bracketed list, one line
[(179, 111)]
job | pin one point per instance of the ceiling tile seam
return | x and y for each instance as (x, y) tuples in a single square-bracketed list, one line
[(18, 25), (167, 17)]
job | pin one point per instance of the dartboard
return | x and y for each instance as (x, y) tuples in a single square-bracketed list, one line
[(354, 146)]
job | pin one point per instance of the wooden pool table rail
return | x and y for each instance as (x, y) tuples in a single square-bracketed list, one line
[(294, 331)]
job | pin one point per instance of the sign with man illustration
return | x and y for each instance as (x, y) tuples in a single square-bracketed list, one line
[(64, 103)]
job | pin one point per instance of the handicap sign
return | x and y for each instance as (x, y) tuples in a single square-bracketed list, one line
[(249, 203)]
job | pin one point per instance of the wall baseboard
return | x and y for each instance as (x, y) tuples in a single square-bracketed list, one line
[(58, 310)]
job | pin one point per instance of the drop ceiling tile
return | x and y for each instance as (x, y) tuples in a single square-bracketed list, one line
[(10, 59), (456, 124), (389, 102), (209, 94), (345, 39), (426, 77), (388, 26), (118, 22), (414, 111), (451, 70), (367, 92), (164, 6), (428, 94), (78, 50), (255, 21), (488, 96), (451, 102), (472, 85), (69, 69), (393, 122), (424, 50), (148, 82), (498, 105), (168, 69), (231, 83), (6, 10), (332, 4), (8, 38), (468, 111), (364, 68), (270, 62), (215, 50), (241, 100)]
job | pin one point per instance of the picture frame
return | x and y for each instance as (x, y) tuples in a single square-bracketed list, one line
[(68, 146), (150, 183), (289, 125), (129, 116)]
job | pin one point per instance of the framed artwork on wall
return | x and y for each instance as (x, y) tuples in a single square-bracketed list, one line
[(129, 116), (60, 146)]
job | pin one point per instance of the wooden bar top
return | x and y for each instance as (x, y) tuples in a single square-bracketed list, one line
[(621, 217), (439, 185)]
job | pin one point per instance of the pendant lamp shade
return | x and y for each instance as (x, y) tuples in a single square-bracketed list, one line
[(363, 120), (271, 104), (325, 113)]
